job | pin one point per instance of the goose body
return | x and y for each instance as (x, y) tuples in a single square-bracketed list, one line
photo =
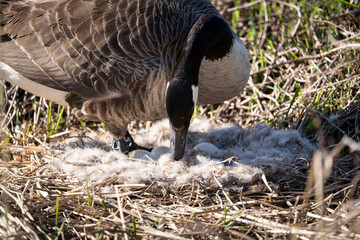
[(119, 60)]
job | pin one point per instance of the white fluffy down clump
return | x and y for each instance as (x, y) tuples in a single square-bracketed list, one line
[(225, 152)]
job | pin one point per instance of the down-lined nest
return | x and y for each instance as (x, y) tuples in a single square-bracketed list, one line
[(76, 192), (228, 152)]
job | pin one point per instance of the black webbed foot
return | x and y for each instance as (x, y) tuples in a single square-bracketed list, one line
[(127, 144)]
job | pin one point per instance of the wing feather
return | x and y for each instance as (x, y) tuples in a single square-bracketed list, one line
[(96, 47)]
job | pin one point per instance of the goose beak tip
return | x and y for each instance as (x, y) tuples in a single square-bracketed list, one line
[(178, 142)]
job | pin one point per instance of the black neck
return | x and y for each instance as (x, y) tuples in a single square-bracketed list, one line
[(210, 37)]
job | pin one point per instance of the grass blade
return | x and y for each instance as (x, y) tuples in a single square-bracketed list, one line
[(57, 212), (349, 4), (88, 192), (134, 227), (297, 93), (59, 119), (99, 226), (104, 204)]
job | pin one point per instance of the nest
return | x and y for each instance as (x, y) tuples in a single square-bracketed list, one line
[(40, 202)]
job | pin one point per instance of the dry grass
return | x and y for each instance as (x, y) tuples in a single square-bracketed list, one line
[(305, 68)]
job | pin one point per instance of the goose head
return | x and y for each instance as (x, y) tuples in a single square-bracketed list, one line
[(209, 39), (181, 98)]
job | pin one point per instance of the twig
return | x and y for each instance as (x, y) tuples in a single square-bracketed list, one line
[(121, 212), (320, 55)]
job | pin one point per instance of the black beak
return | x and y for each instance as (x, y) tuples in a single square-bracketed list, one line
[(177, 142)]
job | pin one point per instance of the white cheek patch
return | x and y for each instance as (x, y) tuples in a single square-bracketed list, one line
[(195, 93), (167, 86)]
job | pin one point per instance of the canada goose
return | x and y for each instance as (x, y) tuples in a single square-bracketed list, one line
[(119, 60)]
